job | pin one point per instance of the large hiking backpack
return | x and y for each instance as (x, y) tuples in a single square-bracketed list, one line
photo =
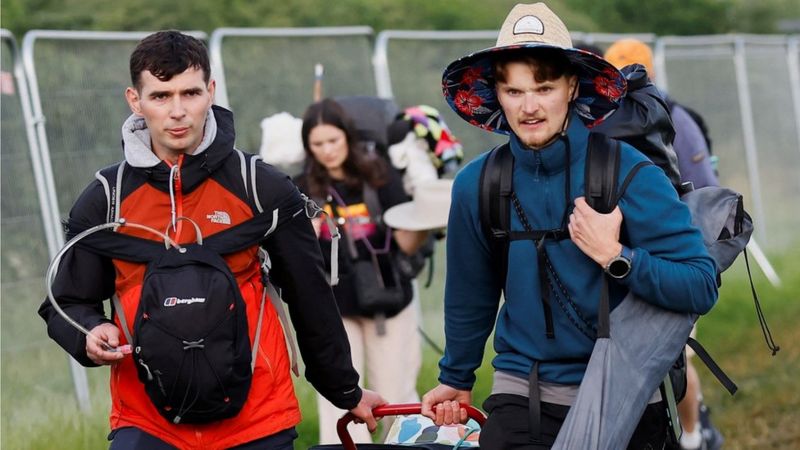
[(190, 336), (371, 117)]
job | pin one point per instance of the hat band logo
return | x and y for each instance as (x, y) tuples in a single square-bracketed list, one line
[(529, 25)]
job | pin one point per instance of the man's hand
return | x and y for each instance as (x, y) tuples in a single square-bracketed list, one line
[(103, 337), (363, 411), (441, 404), (597, 235)]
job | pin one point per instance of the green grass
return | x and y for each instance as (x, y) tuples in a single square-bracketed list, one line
[(39, 410), (765, 413)]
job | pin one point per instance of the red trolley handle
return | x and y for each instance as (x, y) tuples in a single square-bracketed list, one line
[(394, 410)]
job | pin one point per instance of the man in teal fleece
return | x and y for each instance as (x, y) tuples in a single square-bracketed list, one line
[(546, 95)]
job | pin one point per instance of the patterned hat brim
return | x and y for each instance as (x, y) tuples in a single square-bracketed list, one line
[(469, 88)]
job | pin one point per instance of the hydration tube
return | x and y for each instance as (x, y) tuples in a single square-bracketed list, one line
[(52, 270)]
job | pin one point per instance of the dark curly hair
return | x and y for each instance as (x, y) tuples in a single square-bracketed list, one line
[(359, 167), (547, 64), (166, 54)]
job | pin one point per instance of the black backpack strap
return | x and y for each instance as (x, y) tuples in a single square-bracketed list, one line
[(601, 172), (373, 203), (122, 246), (601, 192), (712, 365), (243, 235), (494, 206)]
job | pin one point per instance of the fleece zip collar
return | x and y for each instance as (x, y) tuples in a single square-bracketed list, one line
[(552, 159), (217, 144)]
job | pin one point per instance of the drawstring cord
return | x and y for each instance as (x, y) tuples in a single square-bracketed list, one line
[(173, 209), (313, 211)]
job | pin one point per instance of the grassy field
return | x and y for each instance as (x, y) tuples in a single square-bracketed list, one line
[(39, 410)]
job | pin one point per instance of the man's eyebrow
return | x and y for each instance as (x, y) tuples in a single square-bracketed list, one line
[(158, 93), (194, 90)]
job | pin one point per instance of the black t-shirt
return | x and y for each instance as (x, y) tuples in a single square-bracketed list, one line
[(356, 222)]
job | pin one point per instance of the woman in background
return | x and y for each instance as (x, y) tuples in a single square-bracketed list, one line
[(344, 180)]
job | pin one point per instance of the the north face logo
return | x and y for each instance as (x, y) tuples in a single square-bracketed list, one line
[(172, 301), (219, 217)]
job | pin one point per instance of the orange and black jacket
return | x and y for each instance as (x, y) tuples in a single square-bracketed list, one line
[(209, 187)]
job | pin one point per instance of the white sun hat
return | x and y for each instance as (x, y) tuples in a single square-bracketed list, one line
[(428, 210)]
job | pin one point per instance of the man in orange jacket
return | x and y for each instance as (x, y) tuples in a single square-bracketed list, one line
[(180, 163)]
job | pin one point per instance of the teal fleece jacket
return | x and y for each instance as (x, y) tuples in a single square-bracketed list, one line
[(671, 267)]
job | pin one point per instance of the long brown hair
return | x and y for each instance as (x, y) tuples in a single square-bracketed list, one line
[(358, 167)]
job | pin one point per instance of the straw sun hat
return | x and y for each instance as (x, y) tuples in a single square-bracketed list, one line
[(468, 83), (428, 210)]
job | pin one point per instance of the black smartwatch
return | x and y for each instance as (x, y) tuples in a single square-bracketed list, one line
[(620, 266)]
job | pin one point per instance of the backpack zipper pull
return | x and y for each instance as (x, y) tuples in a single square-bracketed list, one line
[(149, 375)]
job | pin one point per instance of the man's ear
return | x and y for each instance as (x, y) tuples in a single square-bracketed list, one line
[(212, 88), (573, 85), (133, 98)]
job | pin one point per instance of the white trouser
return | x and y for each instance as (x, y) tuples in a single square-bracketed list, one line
[(392, 363)]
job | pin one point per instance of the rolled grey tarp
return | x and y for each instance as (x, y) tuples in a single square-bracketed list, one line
[(639, 342), (623, 373)]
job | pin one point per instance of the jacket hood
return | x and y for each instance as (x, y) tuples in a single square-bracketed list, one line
[(217, 144)]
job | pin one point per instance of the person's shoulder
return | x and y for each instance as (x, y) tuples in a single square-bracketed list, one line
[(91, 206), (273, 183), (630, 155), (469, 175), (681, 118), (474, 167)]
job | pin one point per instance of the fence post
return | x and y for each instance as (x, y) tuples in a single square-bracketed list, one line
[(748, 131), (793, 60)]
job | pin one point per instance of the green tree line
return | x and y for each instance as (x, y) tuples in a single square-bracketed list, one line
[(663, 17)]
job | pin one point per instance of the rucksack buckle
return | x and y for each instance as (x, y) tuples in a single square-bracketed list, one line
[(499, 234), (193, 344)]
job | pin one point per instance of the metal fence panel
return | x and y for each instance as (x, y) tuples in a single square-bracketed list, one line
[(34, 369), (777, 146), (742, 87), (263, 71)]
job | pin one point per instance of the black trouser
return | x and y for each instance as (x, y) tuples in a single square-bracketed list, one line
[(508, 425), (130, 438)]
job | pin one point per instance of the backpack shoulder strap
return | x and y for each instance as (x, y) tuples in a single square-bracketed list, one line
[(601, 172), (494, 209), (600, 189), (253, 230), (111, 179), (118, 245), (247, 169), (373, 203)]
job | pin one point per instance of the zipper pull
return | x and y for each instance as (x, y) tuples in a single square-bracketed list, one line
[(149, 375)]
